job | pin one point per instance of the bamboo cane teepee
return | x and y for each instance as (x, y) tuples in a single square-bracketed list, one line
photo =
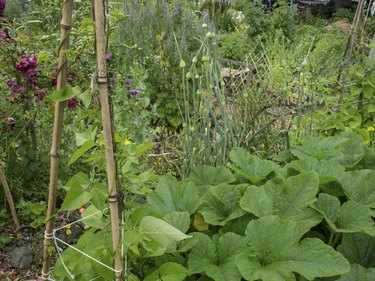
[(66, 21)]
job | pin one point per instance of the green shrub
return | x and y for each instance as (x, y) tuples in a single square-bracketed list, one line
[(234, 46)]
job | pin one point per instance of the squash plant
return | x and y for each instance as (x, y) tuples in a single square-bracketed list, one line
[(307, 216)]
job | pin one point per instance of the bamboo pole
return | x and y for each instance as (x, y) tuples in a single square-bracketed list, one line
[(4, 182), (65, 27), (107, 131)]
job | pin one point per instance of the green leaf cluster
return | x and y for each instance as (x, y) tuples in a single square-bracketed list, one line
[(308, 218)]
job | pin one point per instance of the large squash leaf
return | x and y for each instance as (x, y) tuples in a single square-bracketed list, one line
[(221, 205), (160, 231), (169, 271), (345, 149), (250, 166), (328, 171), (358, 248), (205, 175), (216, 257), (350, 217), (278, 252), (172, 195), (359, 186), (288, 198), (359, 273)]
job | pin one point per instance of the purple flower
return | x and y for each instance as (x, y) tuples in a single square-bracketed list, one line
[(54, 81), (108, 56), (17, 89), (70, 77), (10, 83), (3, 3), (134, 92), (27, 66), (39, 95), (128, 81), (72, 103)]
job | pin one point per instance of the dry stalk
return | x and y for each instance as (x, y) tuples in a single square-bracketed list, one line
[(4, 182)]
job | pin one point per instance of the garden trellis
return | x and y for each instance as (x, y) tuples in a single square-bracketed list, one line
[(49, 237)]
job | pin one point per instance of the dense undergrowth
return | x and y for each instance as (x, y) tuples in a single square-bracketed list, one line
[(239, 154)]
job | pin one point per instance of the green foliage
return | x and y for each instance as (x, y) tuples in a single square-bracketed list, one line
[(278, 251), (147, 33), (264, 23), (234, 46), (32, 213), (262, 221)]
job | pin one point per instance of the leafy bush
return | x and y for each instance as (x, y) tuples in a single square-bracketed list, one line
[(264, 23), (234, 46)]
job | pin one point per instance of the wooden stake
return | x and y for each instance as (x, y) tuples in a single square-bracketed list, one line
[(4, 182), (65, 25), (107, 131)]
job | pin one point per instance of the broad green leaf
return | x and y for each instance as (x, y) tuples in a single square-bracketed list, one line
[(75, 198), (187, 244), (64, 94), (160, 231), (278, 252), (104, 255), (358, 248), (99, 195), (172, 195), (217, 257), (288, 198), (82, 150), (221, 205), (85, 97), (237, 225), (206, 175), (170, 271), (94, 217), (328, 171), (180, 220), (328, 206), (80, 179), (203, 254), (359, 186), (358, 273), (318, 148), (349, 217), (352, 151), (368, 161), (250, 166), (83, 137), (199, 223), (144, 147), (355, 217)]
